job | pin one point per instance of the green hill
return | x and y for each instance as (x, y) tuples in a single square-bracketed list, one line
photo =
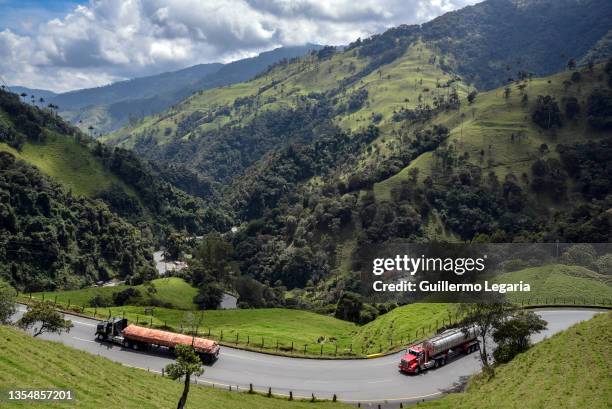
[(547, 376), (169, 291), (560, 284), (98, 382), (71, 205)]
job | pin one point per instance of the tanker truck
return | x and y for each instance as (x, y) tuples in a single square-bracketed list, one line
[(437, 351), (118, 331)]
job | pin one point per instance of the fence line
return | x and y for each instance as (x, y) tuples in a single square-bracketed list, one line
[(288, 346)]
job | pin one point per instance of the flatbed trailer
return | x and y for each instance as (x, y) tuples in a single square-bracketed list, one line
[(118, 331)]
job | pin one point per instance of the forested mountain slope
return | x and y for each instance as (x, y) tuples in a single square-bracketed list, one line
[(53, 239), (133, 188), (391, 138)]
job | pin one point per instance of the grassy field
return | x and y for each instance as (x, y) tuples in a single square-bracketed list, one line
[(548, 375), (270, 329), (100, 383), (69, 163), (171, 290), (557, 283), (497, 133), (280, 328)]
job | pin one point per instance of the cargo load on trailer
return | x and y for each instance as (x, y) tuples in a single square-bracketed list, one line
[(438, 350), (132, 336)]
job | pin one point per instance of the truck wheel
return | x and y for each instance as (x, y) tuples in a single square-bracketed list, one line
[(417, 370), (442, 362), (436, 363)]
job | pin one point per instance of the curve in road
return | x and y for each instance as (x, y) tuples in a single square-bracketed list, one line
[(374, 380)]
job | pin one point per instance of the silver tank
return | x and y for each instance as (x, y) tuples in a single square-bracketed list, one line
[(450, 339)]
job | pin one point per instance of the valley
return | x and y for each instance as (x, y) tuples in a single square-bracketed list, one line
[(276, 176)]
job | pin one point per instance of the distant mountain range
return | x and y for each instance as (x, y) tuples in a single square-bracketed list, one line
[(112, 106)]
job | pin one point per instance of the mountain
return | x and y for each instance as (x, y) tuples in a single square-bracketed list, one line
[(109, 107), (494, 40), (39, 93), (74, 211), (393, 138), (136, 88)]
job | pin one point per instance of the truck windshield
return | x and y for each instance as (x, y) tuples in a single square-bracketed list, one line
[(413, 352)]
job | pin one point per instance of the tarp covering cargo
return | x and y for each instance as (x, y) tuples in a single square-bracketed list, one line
[(169, 339)]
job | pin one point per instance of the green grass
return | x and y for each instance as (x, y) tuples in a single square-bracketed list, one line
[(69, 163), (249, 327), (398, 327), (489, 123), (570, 370), (171, 290), (100, 383), (388, 332), (557, 283)]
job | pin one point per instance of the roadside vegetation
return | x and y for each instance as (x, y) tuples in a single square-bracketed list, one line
[(98, 382), (546, 376)]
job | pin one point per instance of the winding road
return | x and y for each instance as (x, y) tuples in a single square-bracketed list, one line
[(366, 381)]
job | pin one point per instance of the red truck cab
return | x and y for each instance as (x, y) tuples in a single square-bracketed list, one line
[(413, 359)]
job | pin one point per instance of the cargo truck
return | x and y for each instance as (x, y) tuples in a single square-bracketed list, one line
[(437, 351), (118, 331)]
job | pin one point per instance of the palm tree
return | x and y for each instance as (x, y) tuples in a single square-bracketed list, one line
[(23, 95)]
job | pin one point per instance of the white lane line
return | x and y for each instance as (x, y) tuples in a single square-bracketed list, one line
[(84, 323), (84, 340), (384, 380)]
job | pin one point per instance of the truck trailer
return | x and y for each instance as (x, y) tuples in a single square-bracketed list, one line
[(118, 331), (437, 351)]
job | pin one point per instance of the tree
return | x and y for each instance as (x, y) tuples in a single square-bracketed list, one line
[(472, 97), (547, 113), (600, 108), (487, 313), (50, 319), (572, 107), (209, 296), (7, 302), (512, 335), (175, 245), (349, 307), (187, 363), (215, 253)]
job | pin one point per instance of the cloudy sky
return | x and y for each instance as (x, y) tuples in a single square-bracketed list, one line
[(69, 44)]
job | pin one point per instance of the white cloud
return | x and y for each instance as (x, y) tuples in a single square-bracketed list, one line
[(108, 40)]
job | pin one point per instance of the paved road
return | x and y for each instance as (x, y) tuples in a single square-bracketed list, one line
[(374, 380)]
